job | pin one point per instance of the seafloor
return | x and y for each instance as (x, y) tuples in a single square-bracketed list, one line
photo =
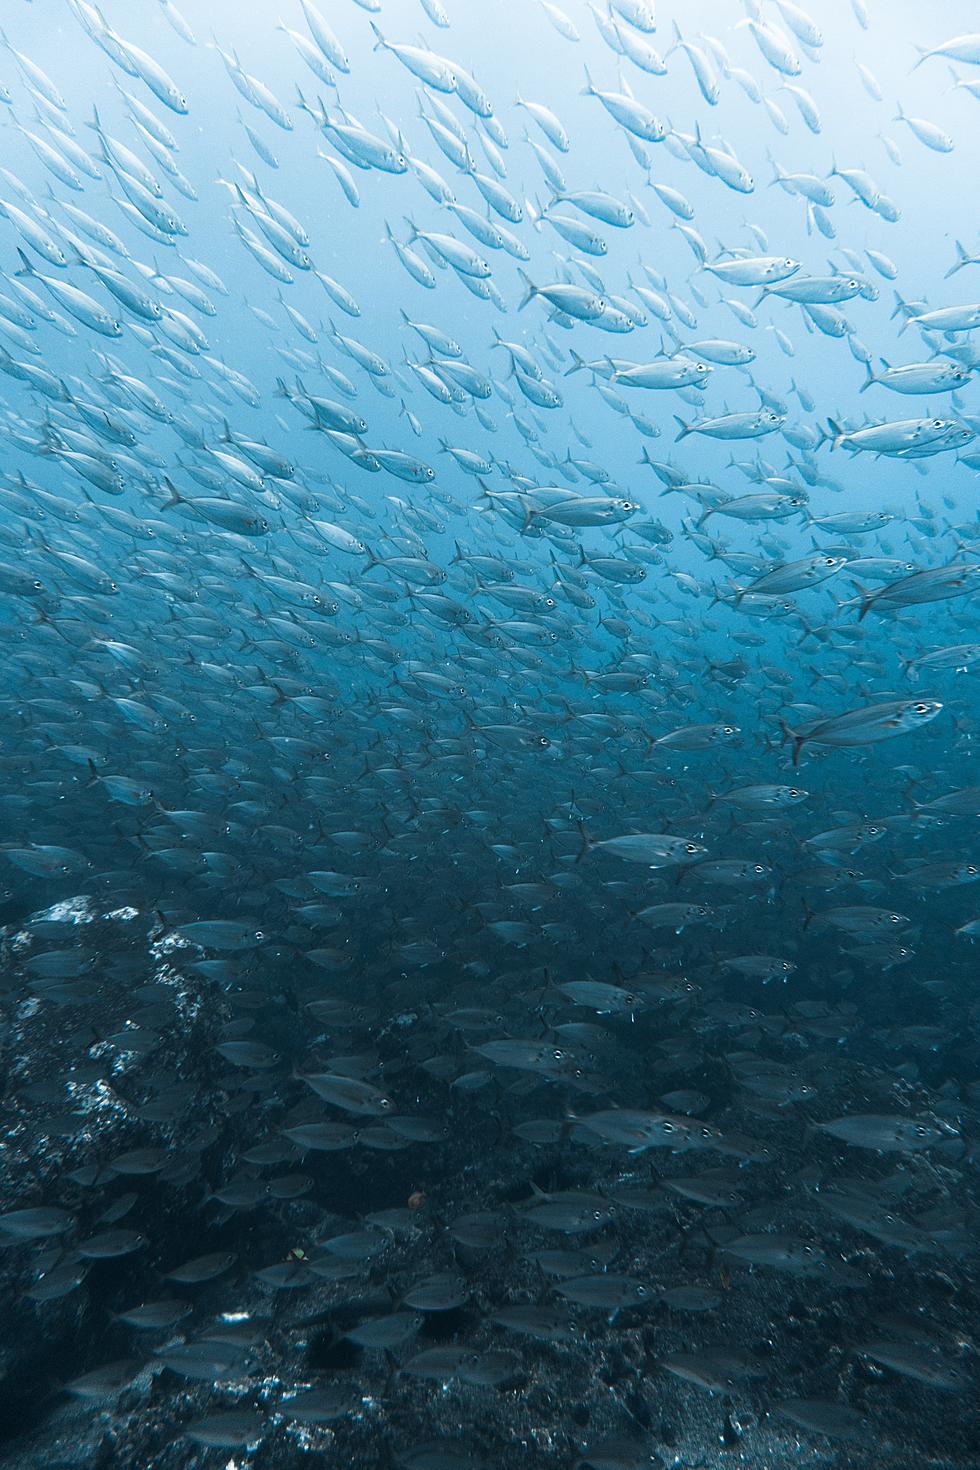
[(126, 1061)]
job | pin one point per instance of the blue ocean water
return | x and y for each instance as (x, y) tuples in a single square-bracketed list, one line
[(488, 563)]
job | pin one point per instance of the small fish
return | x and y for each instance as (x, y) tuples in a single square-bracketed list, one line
[(885, 1133), (864, 726)]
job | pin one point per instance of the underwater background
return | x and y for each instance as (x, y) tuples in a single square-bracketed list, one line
[(488, 823)]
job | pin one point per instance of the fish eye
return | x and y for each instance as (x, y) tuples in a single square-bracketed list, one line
[(938, 424), (38, 586), (668, 1127), (258, 935), (384, 1104), (921, 709), (705, 1132), (921, 1131), (543, 741), (728, 730), (557, 1055), (692, 848), (894, 918)]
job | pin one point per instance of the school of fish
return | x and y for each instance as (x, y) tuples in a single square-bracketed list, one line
[(489, 862)]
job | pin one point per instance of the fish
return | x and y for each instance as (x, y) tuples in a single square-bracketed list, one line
[(886, 1133), (653, 850), (864, 726)]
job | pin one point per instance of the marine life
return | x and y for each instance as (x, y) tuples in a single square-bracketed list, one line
[(489, 568)]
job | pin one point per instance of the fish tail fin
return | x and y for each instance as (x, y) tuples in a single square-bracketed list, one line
[(529, 512), (175, 496), (870, 380), (778, 173), (685, 429), (836, 435), (577, 362), (588, 90), (379, 42), (530, 289), (962, 259), (26, 268), (907, 795), (587, 843)]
